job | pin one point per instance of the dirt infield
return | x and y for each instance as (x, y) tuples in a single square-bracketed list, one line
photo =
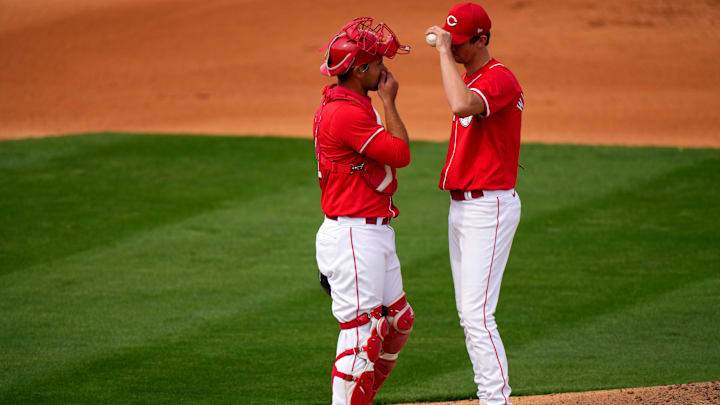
[(613, 72), (626, 72), (686, 394)]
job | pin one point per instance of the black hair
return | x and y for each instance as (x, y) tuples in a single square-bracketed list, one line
[(476, 38), (346, 75)]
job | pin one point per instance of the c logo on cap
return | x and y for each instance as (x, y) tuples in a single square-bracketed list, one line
[(452, 21)]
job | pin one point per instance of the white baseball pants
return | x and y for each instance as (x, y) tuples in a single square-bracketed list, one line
[(363, 270), (480, 234)]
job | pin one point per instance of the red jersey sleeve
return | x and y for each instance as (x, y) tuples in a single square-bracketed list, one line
[(389, 150), (498, 88), (361, 131)]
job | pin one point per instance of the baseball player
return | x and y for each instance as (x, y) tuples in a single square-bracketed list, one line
[(480, 173), (355, 246)]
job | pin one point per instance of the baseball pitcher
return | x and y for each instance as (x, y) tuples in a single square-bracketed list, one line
[(480, 173), (355, 246)]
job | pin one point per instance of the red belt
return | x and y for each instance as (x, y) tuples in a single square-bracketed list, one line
[(459, 195), (369, 221)]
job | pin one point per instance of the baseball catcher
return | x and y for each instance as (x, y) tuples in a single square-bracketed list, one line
[(357, 159)]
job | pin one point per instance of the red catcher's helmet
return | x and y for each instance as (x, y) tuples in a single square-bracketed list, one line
[(358, 43)]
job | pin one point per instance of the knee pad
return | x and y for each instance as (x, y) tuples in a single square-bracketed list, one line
[(401, 319), (400, 316)]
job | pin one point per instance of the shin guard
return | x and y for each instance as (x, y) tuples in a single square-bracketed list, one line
[(359, 383), (400, 316)]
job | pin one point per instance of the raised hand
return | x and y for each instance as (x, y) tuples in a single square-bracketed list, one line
[(388, 87)]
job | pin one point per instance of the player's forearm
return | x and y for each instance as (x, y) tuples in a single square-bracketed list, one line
[(462, 101)]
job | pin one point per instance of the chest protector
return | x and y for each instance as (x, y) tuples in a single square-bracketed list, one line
[(379, 177)]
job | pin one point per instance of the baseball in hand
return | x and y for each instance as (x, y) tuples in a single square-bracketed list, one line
[(431, 39)]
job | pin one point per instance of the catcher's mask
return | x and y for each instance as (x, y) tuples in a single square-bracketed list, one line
[(359, 43)]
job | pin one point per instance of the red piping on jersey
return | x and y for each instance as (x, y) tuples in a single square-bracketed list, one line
[(492, 259), (357, 295)]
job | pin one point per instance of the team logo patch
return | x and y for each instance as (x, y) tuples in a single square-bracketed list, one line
[(452, 20), (465, 121)]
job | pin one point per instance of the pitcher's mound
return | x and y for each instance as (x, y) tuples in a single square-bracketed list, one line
[(707, 393)]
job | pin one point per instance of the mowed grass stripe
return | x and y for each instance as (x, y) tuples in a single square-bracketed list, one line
[(208, 292), (657, 341), (604, 256), (81, 191), (162, 283), (638, 346), (574, 264)]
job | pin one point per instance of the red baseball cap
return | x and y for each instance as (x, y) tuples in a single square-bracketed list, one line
[(466, 20)]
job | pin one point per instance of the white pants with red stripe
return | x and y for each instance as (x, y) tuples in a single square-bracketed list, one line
[(480, 233), (363, 270)]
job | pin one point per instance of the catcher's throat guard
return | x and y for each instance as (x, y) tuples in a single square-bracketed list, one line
[(359, 43)]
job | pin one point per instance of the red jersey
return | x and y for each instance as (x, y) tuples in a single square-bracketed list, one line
[(357, 156), (484, 149)]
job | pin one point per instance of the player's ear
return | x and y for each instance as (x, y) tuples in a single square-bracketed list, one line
[(354, 72)]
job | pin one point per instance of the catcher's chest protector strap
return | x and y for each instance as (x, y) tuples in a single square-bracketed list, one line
[(334, 93), (334, 167)]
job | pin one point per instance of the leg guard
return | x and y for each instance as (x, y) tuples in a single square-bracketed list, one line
[(401, 318), (359, 383)]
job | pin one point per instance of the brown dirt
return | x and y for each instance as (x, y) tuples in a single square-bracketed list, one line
[(707, 393), (640, 72)]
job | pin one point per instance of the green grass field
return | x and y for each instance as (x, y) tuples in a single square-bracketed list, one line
[(141, 269)]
